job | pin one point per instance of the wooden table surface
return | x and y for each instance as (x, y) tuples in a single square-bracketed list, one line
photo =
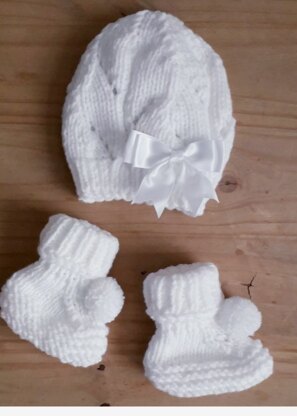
[(253, 231)]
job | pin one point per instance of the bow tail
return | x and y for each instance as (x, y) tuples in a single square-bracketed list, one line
[(195, 186), (154, 190), (159, 208)]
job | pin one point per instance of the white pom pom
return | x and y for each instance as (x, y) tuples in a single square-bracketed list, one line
[(104, 299), (239, 317)]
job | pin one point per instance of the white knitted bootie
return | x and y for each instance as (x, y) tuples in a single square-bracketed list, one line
[(62, 302), (201, 345)]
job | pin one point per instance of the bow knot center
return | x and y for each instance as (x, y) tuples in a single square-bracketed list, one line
[(177, 156), (182, 172)]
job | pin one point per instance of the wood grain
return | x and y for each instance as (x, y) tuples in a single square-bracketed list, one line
[(252, 231)]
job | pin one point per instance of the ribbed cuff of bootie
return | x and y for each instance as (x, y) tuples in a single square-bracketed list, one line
[(178, 292), (78, 242)]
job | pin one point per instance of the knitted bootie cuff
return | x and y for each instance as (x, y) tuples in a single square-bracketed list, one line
[(178, 291), (79, 242)]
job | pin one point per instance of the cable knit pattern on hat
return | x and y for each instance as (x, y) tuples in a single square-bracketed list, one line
[(202, 343), (62, 302), (146, 72)]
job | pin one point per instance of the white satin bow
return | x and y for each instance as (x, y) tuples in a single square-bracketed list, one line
[(183, 171)]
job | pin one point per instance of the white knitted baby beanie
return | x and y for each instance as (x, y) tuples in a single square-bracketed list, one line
[(148, 116), (62, 302), (202, 344)]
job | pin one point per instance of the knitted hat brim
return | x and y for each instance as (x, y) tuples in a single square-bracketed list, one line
[(214, 377), (108, 181)]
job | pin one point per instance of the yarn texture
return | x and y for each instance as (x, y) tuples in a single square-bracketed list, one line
[(146, 72), (62, 302), (202, 343)]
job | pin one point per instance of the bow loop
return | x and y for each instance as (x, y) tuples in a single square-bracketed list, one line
[(184, 171), (145, 151)]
